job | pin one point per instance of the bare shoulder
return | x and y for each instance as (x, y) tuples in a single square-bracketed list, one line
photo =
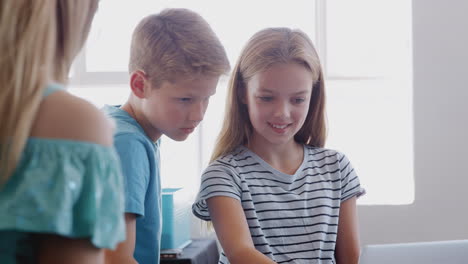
[(65, 116)]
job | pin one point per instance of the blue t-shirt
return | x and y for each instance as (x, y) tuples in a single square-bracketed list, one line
[(140, 165)]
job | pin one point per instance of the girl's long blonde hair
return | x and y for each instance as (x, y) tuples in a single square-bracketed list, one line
[(266, 48), (39, 41)]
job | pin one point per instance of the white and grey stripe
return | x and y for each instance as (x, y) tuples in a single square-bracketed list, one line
[(292, 218)]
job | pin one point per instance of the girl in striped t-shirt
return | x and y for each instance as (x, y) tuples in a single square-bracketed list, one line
[(273, 193)]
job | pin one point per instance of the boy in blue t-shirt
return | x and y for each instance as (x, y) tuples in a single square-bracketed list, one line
[(175, 63)]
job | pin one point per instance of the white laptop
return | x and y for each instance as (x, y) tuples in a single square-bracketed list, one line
[(438, 252)]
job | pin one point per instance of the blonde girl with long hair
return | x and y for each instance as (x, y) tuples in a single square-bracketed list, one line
[(272, 191), (61, 197)]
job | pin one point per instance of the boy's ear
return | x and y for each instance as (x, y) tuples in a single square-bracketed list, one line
[(139, 83)]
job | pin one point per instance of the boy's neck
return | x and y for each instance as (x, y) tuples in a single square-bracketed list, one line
[(149, 130)]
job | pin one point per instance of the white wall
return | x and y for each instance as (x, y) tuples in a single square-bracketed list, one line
[(440, 210)]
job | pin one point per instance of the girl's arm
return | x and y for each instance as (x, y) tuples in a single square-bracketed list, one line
[(55, 249), (123, 254), (347, 242), (233, 232)]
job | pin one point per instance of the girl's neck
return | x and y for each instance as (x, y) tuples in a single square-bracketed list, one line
[(286, 158)]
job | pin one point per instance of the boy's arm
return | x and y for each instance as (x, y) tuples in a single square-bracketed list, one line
[(347, 242), (123, 254), (233, 232)]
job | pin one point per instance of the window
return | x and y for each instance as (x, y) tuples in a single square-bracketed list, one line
[(365, 47), (369, 72)]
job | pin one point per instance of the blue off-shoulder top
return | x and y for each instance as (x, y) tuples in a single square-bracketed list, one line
[(62, 187)]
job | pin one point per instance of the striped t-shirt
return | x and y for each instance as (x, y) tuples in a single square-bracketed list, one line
[(292, 218)]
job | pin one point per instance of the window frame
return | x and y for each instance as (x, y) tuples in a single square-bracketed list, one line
[(81, 77)]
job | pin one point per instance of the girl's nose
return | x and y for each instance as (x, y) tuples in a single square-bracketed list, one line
[(281, 109)]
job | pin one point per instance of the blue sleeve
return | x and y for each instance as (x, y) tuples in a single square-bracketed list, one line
[(136, 171)]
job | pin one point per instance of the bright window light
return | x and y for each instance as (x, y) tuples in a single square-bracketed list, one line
[(366, 53)]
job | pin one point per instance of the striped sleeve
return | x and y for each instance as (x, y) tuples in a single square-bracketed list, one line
[(350, 185), (217, 180)]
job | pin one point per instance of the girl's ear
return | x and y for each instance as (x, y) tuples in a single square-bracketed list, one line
[(139, 83)]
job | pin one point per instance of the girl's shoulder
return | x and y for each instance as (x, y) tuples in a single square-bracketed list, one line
[(64, 116), (320, 156), (231, 162), (316, 151), (238, 155)]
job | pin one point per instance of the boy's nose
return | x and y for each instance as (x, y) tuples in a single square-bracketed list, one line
[(197, 112)]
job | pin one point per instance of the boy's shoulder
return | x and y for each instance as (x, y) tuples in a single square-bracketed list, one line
[(125, 125)]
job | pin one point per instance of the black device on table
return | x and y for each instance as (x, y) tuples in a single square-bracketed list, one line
[(199, 251)]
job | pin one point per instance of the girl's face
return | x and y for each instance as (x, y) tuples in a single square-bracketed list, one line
[(278, 101)]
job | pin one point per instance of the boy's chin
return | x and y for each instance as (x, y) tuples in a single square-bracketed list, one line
[(178, 137)]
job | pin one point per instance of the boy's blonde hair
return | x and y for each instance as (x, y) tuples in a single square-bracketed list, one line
[(39, 41), (176, 43), (266, 48)]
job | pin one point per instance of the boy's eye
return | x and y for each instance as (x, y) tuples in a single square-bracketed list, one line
[(185, 99)]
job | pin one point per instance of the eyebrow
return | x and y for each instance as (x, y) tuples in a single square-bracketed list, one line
[(265, 90), (301, 92), (193, 95)]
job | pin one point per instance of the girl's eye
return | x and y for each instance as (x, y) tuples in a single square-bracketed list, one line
[(298, 100), (266, 98)]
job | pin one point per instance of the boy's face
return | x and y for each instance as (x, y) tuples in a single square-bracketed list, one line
[(175, 109)]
